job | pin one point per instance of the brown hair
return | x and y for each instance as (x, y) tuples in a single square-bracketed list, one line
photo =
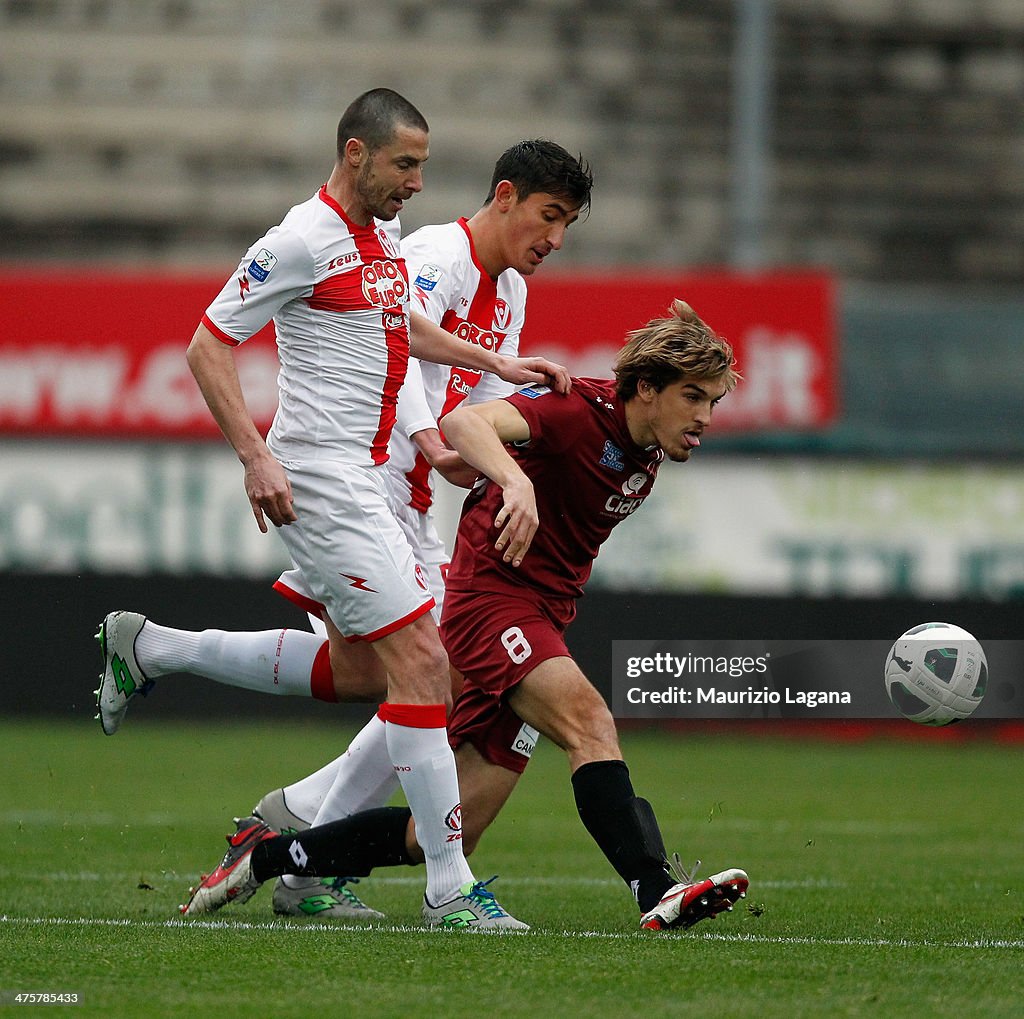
[(666, 349)]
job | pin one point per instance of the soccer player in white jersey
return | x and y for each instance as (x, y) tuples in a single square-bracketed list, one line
[(332, 278), (531, 230)]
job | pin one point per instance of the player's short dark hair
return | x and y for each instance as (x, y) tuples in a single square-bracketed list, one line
[(541, 166), (668, 349), (374, 117)]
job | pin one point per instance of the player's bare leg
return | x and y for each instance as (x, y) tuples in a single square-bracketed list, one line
[(558, 700)]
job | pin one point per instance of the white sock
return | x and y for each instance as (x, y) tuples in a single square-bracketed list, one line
[(271, 661), (364, 776), (305, 796), (426, 768)]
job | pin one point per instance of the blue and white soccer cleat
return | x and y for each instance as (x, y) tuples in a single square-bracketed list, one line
[(121, 678)]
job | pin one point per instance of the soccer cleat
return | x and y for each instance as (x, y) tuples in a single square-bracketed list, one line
[(474, 908), (325, 898), (232, 881), (121, 678), (688, 902), (273, 811)]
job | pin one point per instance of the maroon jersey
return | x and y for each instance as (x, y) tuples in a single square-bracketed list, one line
[(587, 474)]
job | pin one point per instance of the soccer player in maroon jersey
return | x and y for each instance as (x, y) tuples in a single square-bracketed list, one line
[(562, 472)]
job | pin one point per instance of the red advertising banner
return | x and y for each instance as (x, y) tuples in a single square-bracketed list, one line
[(102, 354), (782, 327)]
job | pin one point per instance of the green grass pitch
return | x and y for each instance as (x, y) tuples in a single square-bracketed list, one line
[(886, 880)]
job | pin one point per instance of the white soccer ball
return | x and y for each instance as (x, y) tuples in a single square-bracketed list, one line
[(936, 673)]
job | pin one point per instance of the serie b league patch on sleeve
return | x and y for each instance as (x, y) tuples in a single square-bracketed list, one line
[(428, 277), (262, 265)]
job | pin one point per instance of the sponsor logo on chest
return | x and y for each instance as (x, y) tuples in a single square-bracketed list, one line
[(384, 285), (472, 333)]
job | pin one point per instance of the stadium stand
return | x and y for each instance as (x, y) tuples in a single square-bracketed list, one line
[(174, 131)]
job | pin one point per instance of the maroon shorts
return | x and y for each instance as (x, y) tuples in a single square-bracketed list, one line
[(495, 640)]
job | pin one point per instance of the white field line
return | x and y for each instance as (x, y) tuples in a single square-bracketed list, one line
[(43, 818), (579, 882), (338, 930)]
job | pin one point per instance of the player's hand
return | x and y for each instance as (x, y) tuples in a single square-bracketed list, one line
[(521, 371), (517, 519), (269, 491)]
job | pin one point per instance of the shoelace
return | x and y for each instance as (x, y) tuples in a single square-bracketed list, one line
[(337, 885), (680, 873), (480, 896)]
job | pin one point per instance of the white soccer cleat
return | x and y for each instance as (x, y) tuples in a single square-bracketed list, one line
[(322, 898), (687, 903), (474, 908), (121, 678)]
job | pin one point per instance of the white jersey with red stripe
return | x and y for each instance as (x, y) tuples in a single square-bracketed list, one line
[(452, 289), (338, 294)]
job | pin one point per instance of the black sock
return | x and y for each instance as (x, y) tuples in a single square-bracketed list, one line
[(624, 827), (351, 847)]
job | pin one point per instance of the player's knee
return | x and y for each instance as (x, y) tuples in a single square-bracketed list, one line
[(421, 670), (592, 733)]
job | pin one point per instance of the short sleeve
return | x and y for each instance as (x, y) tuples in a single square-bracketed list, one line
[(553, 418), (277, 269)]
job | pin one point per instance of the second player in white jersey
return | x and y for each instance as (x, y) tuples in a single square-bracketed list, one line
[(451, 288)]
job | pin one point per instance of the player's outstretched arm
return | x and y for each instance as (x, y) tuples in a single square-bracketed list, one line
[(445, 461), (430, 342), (266, 484), (479, 433)]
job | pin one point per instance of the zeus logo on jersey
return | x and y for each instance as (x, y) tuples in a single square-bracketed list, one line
[(262, 265), (428, 277), (384, 285)]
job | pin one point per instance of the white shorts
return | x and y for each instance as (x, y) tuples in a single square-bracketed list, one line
[(429, 550), (352, 557)]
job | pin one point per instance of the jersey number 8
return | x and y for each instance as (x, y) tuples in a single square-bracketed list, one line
[(515, 643)]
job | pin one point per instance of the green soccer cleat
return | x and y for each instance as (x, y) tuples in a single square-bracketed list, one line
[(121, 678), (322, 898), (474, 908)]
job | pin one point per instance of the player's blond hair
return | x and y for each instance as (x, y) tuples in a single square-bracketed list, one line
[(667, 349)]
